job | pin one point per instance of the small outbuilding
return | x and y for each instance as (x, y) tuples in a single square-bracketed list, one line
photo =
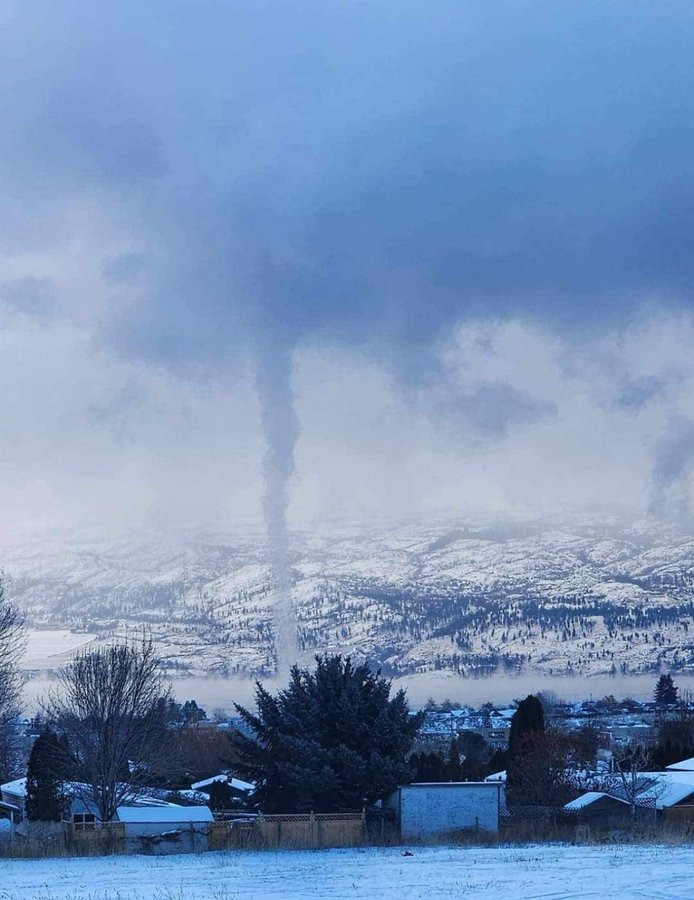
[(165, 829), (599, 808), (434, 809)]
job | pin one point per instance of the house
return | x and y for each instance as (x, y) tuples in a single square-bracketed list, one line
[(80, 809), (427, 810), (14, 793), (165, 829), (440, 727), (668, 795)]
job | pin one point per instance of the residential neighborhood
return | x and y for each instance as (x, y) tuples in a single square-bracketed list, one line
[(459, 771)]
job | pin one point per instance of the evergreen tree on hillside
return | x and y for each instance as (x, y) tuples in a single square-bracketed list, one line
[(665, 691), (44, 802), (527, 722), (331, 741)]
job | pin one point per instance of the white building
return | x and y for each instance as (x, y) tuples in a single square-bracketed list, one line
[(429, 809), (161, 830)]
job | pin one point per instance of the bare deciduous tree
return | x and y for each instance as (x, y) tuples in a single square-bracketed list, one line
[(12, 642), (630, 777), (112, 709)]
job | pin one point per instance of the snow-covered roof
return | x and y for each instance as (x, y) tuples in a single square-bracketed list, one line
[(235, 783), (166, 815), (497, 776), (197, 796), (660, 789), (153, 802), (686, 765), (588, 798), (667, 788), (17, 787)]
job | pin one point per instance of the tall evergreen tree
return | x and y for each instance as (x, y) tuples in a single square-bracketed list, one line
[(528, 720), (333, 740), (428, 767), (44, 802), (665, 691)]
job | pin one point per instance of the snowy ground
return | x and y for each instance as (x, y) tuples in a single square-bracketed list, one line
[(549, 872)]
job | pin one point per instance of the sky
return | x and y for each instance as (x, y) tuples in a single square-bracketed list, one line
[(344, 259)]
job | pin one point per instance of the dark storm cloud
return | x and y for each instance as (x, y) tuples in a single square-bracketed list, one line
[(491, 410), (373, 171)]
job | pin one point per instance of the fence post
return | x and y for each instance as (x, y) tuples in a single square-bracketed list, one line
[(312, 830)]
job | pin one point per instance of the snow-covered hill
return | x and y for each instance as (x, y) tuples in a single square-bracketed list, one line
[(580, 596)]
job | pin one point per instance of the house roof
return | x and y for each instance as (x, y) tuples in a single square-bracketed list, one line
[(164, 815), (667, 788), (235, 783), (197, 796), (497, 776), (450, 784), (660, 789), (686, 765), (18, 787), (589, 798)]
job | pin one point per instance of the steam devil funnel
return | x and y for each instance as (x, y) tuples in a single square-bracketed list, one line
[(280, 429)]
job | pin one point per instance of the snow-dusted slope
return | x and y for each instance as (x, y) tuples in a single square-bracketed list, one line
[(585, 596)]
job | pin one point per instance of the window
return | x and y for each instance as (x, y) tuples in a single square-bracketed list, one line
[(84, 818)]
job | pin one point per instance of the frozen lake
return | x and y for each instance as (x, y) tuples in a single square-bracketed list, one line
[(530, 872)]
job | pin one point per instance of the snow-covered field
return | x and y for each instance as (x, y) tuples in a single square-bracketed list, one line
[(376, 874)]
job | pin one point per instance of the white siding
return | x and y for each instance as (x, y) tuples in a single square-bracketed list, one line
[(430, 809)]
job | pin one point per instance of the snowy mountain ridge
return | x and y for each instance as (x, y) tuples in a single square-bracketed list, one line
[(586, 595)]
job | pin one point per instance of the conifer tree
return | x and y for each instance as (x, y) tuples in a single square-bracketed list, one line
[(331, 741), (665, 691), (220, 795), (528, 720), (44, 801)]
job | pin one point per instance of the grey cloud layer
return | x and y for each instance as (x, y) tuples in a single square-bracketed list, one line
[(377, 171), (89, 437), (391, 185)]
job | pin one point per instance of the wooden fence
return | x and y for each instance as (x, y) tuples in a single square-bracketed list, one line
[(95, 838), (680, 816), (261, 832), (301, 831)]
